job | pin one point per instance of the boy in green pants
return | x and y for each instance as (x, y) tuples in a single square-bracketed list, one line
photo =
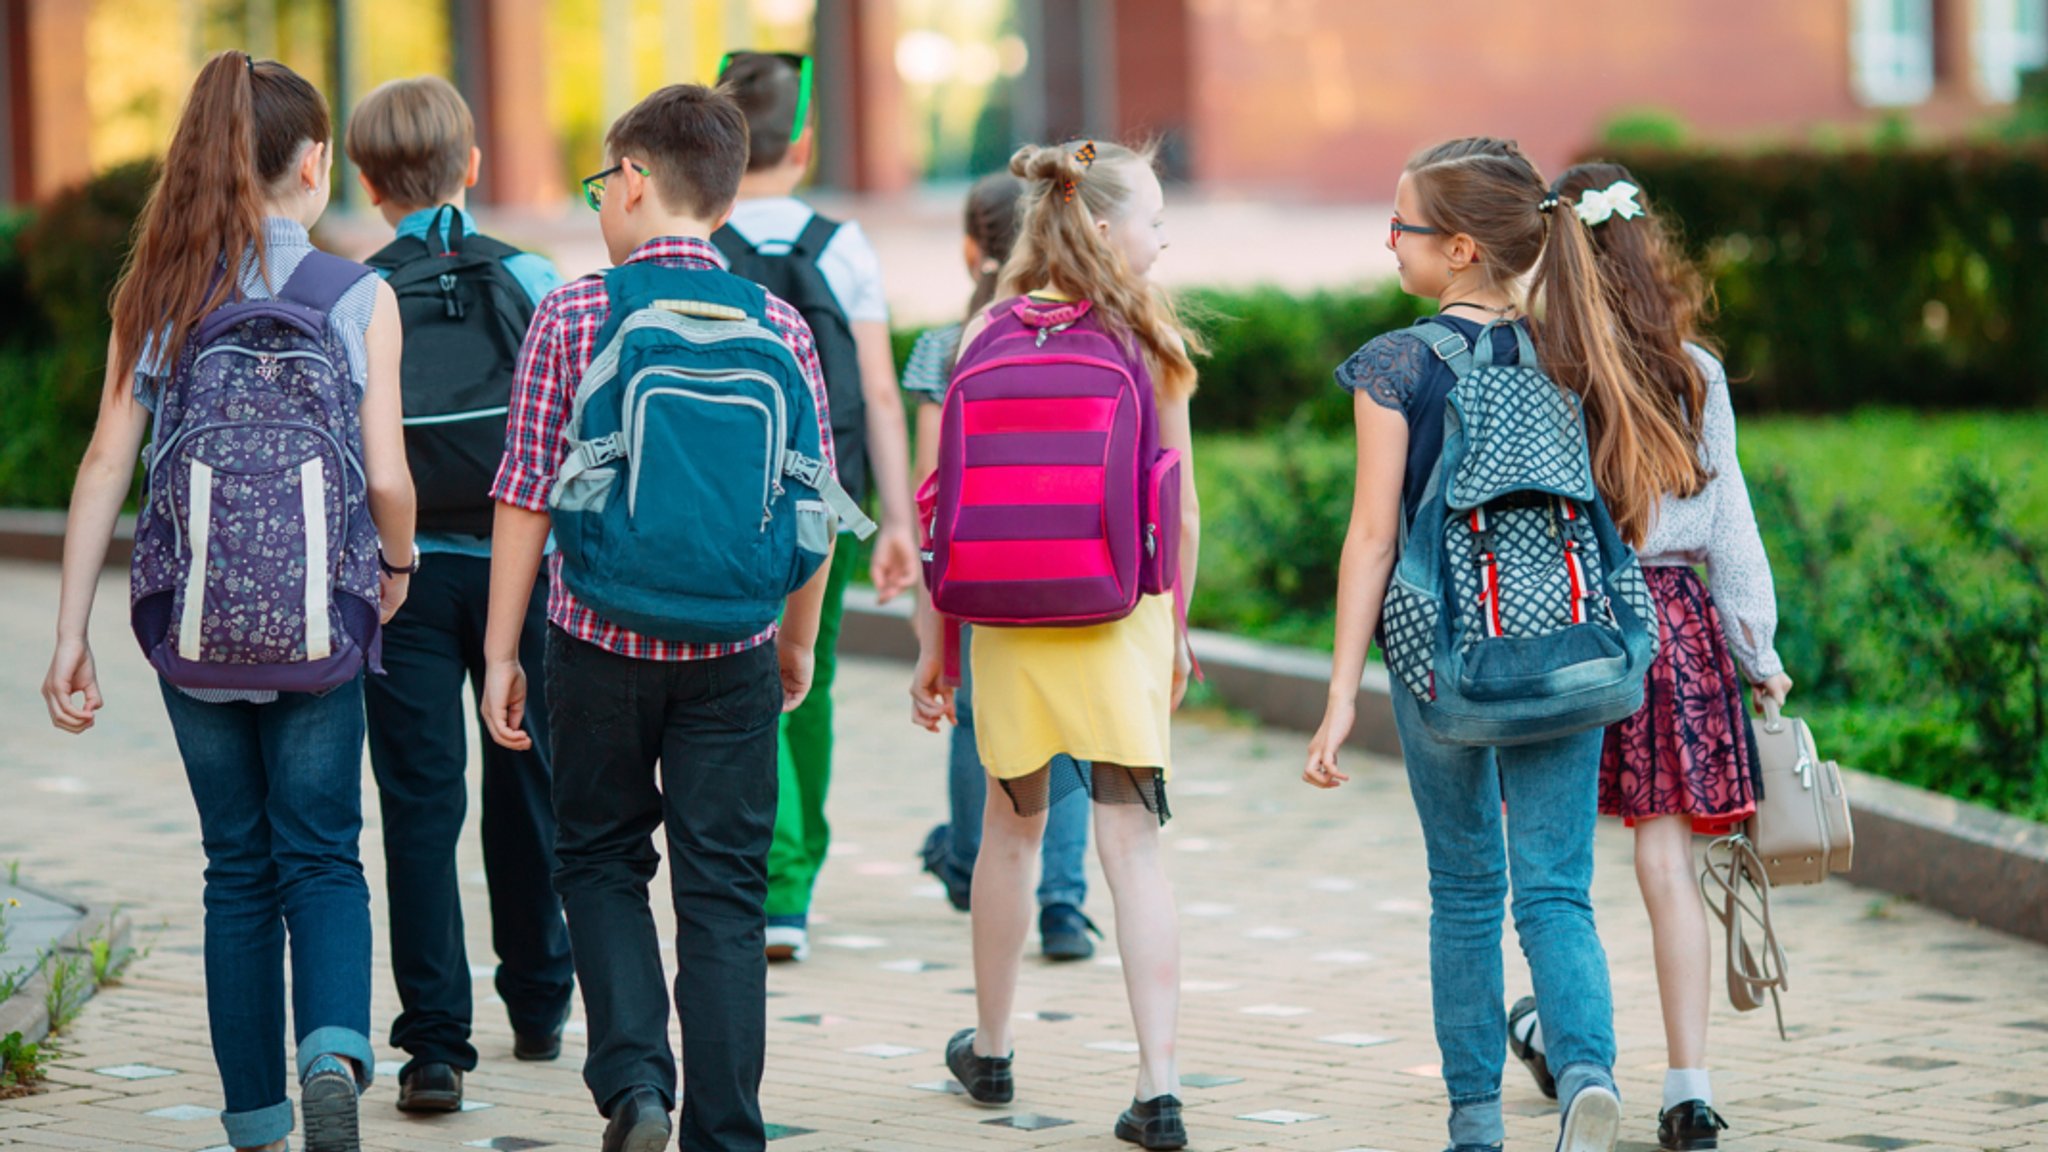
[(827, 271)]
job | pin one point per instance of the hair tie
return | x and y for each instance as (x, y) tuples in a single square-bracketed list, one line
[(1547, 204), (1085, 156), (250, 62)]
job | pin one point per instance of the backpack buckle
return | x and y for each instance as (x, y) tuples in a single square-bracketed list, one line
[(1437, 346)]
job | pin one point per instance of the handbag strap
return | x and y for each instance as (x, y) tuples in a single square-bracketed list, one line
[(1738, 893)]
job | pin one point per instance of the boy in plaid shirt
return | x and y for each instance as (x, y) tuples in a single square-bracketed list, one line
[(620, 703)]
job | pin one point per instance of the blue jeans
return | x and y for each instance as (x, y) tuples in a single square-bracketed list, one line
[(1551, 796), (280, 798), (1063, 872)]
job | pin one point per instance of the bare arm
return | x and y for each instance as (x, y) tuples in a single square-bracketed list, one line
[(103, 480), (895, 557), (391, 493), (1176, 431), (1370, 544)]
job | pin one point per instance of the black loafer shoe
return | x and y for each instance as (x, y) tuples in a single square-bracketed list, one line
[(430, 1086), (639, 1123), (1690, 1127), (1526, 1052), (1063, 932), (1153, 1123), (986, 1078)]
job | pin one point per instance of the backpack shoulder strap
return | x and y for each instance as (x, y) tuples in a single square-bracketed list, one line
[(321, 280), (402, 251), (730, 243), (812, 241), (490, 247), (1449, 345)]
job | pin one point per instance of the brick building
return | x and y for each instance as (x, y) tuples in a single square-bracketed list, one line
[(1315, 99)]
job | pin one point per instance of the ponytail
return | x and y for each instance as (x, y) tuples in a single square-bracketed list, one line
[(992, 218), (243, 129)]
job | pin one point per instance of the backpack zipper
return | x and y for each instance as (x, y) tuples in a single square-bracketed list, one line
[(773, 454), (334, 442)]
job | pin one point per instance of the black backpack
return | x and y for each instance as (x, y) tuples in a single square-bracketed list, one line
[(465, 316), (791, 272)]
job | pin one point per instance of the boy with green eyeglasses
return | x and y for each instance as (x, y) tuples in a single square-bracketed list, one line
[(828, 271)]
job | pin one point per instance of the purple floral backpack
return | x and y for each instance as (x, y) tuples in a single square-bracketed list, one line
[(255, 557)]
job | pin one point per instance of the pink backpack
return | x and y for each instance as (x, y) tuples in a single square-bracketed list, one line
[(1053, 504)]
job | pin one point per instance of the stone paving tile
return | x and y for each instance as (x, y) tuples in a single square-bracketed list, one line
[(1908, 1024)]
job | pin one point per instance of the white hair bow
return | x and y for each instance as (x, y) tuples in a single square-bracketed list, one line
[(1617, 199)]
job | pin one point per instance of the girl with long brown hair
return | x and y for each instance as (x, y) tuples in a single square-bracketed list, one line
[(1474, 221), (1060, 709), (276, 774), (1683, 765), (992, 218)]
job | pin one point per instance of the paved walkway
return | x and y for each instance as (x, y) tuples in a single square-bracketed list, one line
[(1306, 1024)]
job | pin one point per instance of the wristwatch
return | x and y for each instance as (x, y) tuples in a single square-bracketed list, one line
[(390, 569)]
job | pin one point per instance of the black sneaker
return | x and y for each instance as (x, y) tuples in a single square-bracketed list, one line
[(430, 1086), (1690, 1127), (1525, 1051), (1063, 932), (639, 1123), (986, 1078), (1153, 1123), (936, 851), (328, 1099)]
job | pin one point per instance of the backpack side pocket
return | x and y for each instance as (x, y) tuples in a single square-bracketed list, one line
[(1159, 560)]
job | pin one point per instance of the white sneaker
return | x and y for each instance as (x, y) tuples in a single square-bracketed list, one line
[(1592, 1121), (788, 943)]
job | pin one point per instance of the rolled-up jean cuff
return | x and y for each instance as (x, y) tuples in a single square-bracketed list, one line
[(334, 1040), (1476, 1122), (1047, 897), (263, 1126)]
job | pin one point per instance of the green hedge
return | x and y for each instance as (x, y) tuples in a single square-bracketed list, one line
[(1895, 276)]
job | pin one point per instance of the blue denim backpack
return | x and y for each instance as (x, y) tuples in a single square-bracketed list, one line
[(694, 498), (1516, 613), (255, 557)]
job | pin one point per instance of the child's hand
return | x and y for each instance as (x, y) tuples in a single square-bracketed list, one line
[(894, 566), (504, 704), (391, 592), (1774, 689), (1322, 751), (797, 662), (930, 700), (72, 674)]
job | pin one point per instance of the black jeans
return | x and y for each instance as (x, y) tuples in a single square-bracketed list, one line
[(710, 725), (418, 750)]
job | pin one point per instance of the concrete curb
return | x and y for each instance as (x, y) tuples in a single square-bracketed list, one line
[(28, 1010), (1968, 861)]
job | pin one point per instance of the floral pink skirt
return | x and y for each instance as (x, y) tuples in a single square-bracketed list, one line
[(1689, 750)]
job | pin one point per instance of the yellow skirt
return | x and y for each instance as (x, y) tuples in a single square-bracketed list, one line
[(1102, 694)]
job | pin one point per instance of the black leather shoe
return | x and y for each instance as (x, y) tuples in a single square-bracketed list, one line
[(430, 1086), (639, 1123), (1153, 1123), (539, 1045), (986, 1078), (1690, 1127), (1063, 932), (1526, 1052), (937, 848)]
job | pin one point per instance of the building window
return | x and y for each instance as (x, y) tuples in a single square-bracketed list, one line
[(2011, 40), (1891, 51)]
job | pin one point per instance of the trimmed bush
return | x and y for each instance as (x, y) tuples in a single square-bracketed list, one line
[(1893, 276)]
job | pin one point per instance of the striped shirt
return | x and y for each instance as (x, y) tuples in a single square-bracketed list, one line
[(285, 243), (559, 347), (930, 367)]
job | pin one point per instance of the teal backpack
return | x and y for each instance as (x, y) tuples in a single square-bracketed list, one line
[(694, 497), (1516, 613)]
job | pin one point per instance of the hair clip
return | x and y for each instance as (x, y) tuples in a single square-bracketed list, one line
[(1066, 191), (1086, 155), (1600, 205)]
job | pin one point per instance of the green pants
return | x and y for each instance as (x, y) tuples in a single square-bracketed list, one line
[(804, 768)]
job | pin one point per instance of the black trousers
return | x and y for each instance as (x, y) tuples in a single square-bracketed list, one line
[(688, 749), (418, 720)]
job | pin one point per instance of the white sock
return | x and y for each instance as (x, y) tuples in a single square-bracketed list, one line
[(1532, 1028), (1682, 1084)]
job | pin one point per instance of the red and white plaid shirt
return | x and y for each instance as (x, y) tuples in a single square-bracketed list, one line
[(559, 346)]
